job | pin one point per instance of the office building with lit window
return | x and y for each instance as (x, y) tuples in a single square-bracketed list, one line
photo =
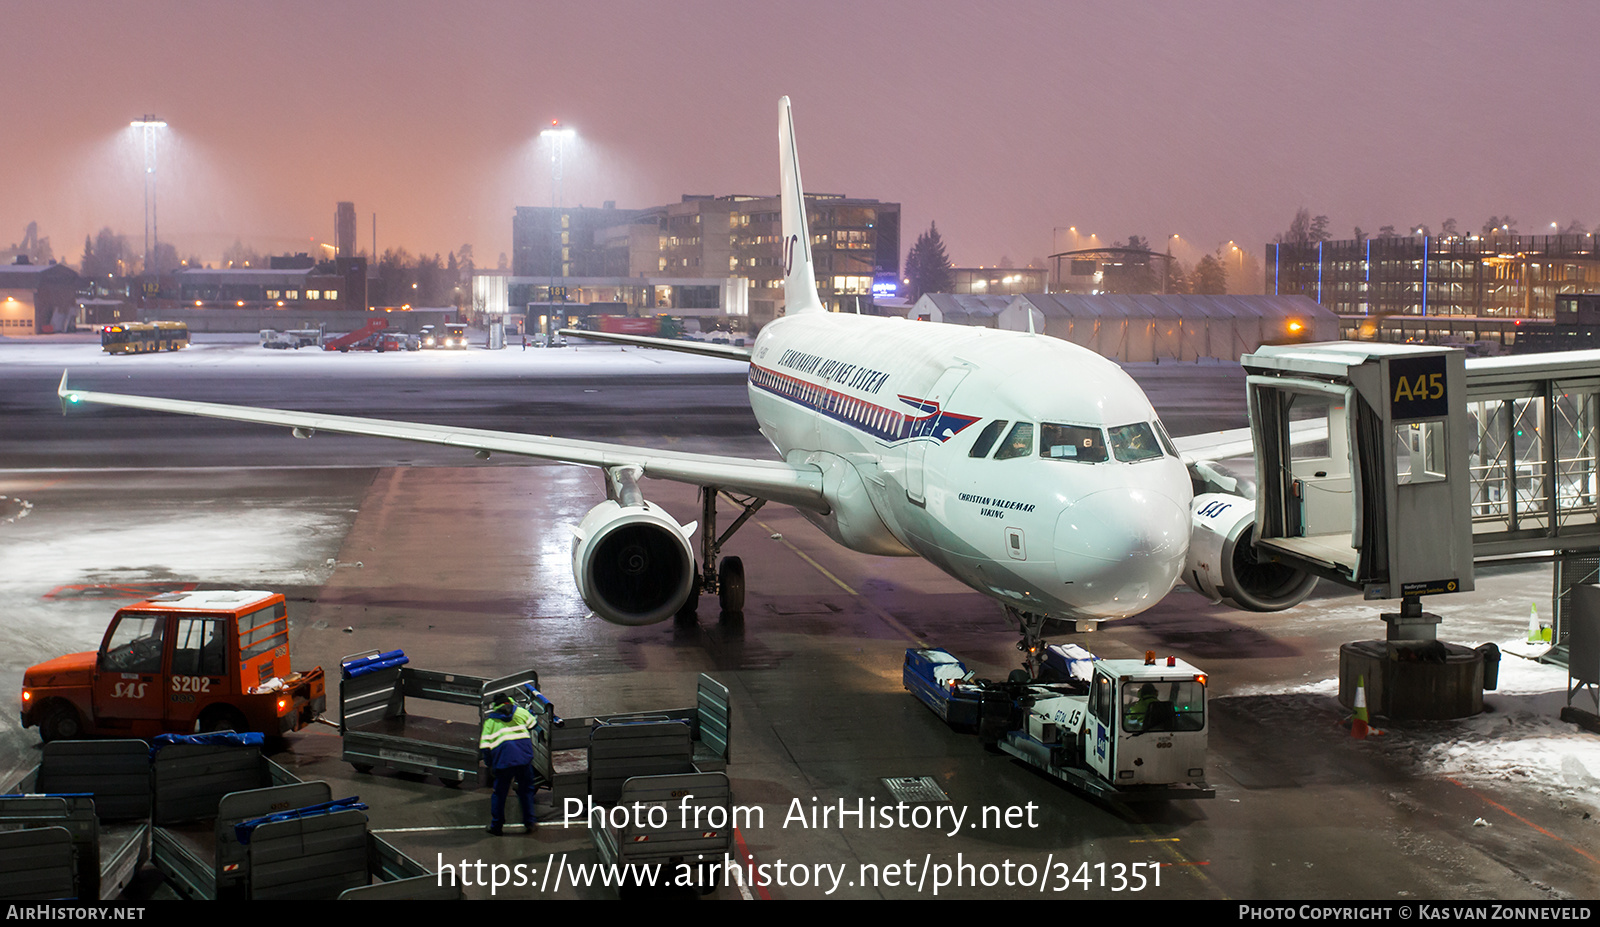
[(855, 244), (1436, 288), (295, 283)]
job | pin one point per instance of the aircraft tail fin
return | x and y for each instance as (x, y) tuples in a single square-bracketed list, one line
[(799, 277)]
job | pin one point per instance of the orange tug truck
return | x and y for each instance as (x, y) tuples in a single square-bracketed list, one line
[(179, 663)]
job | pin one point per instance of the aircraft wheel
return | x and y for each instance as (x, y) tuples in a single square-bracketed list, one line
[(730, 580)]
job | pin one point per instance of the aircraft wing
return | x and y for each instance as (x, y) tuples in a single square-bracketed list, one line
[(730, 352), (1235, 442), (799, 486)]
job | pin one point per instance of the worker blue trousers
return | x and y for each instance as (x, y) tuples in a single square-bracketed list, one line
[(523, 775)]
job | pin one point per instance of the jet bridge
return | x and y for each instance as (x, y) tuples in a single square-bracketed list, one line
[(1432, 463)]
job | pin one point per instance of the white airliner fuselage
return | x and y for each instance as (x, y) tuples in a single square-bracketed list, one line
[(894, 411)]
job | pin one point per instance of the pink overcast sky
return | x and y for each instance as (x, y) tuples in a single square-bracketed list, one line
[(1005, 123)]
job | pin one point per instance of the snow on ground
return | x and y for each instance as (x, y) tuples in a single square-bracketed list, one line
[(241, 353), (252, 547), (1519, 740)]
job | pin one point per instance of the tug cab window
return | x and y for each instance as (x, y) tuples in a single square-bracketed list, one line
[(135, 645), (1072, 442), (1163, 706)]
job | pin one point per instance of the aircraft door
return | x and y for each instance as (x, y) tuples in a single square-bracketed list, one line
[(930, 432)]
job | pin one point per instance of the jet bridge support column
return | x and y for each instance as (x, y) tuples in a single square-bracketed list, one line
[(1383, 505)]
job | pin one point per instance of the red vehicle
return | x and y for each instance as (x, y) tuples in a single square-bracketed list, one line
[(177, 663), (627, 325), (366, 338)]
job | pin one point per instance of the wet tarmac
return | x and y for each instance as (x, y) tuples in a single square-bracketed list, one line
[(466, 566)]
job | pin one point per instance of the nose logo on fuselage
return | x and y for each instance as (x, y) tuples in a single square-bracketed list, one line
[(937, 424)]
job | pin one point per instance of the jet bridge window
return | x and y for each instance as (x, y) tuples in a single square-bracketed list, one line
[(1420, 451), (1134, 442), (1019, 443), (1072, 442), (987, 437)]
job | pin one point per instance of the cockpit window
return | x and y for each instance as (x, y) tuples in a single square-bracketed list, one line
[(1134, 442), (987, 437), (1072, 442), (1166, 440), (1019, 443)]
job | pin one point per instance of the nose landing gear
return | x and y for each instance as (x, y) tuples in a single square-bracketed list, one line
[(1033, 643)]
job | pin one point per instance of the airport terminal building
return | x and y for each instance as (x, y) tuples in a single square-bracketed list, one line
[(1436, 288)]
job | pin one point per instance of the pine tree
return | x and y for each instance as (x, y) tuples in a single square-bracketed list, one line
[(1211, 276), (928, 266)]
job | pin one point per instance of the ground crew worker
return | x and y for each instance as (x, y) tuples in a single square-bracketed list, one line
[(1137, 711), (507, 747)]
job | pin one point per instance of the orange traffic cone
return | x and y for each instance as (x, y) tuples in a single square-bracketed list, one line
[(1358, 724)]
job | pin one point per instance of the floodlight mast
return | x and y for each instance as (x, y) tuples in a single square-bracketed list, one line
[(558, 135), (152, 236)]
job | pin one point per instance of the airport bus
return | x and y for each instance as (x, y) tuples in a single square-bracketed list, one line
[(144, 337)]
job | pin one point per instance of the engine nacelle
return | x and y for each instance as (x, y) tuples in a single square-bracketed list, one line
[(633, 563), (1222, 564)]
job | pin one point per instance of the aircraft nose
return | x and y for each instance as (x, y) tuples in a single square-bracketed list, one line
[(1120, 549)]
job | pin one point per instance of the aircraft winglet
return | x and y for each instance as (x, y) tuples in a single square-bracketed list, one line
[(67, 397), (799, 278)]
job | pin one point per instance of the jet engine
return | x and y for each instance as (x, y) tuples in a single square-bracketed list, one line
[(1222, 564), (633, 563)]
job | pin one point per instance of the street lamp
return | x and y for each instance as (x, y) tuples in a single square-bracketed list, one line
[(558, 137), (148, 124)]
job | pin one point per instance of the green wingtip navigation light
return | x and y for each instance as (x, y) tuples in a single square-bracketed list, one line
[(66, 396)]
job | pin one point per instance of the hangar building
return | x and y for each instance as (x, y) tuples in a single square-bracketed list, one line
[(1144, 328)]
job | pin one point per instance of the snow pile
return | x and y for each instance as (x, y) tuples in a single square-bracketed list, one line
[(1519, 739)]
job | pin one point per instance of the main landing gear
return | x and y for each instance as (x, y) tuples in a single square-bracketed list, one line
[(725, 580)]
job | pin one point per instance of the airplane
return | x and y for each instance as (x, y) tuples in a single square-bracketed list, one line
[(1029, 468)]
